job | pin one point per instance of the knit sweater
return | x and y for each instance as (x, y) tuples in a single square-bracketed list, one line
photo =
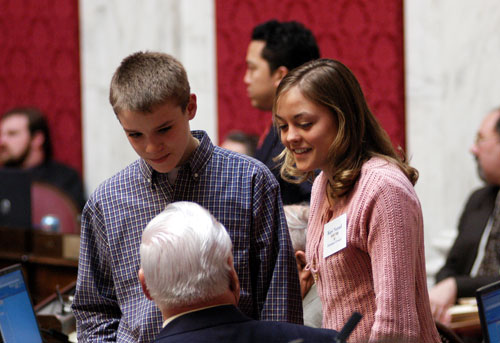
[(381, 271)]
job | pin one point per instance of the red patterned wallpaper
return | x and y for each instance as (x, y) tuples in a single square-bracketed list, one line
[(366, 35), (40, 66)]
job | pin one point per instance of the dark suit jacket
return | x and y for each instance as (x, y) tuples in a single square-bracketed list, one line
[(226, 323), (464, 250), (291, 193)]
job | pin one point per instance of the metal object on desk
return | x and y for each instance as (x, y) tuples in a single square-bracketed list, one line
[(54, 313)]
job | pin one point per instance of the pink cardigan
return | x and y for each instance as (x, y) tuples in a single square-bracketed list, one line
[(381, 272)]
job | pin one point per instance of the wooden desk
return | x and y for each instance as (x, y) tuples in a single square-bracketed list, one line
[(42, 273)]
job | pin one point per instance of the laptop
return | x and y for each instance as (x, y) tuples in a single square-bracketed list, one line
[(18, 322), (15, 199), (488, 303)]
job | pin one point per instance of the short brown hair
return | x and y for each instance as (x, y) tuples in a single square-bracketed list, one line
[(360, 136), (148, 79)]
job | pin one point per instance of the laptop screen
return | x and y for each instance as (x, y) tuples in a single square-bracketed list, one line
[(17, 319), (488, 301)]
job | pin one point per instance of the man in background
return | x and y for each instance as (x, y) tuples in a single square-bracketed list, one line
[(275, 49), (25, 144), (473, 260), (187, 270)]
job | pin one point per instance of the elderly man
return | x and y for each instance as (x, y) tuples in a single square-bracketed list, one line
[(187, 270), (473, 260)]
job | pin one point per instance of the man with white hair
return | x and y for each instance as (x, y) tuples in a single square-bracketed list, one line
[(187, 270)]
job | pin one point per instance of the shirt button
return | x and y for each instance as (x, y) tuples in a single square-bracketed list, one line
[(196, 175)]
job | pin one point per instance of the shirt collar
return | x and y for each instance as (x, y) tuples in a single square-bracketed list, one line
[(196, 162), (170, 319)]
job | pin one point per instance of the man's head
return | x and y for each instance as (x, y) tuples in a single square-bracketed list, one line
[(24, 138), (186, 259), (486, 148), (275, 48), (151, 98), (241, 142)]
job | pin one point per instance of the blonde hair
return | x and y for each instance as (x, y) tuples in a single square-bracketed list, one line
[(360, 136)]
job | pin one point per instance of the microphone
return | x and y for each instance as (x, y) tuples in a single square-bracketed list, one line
[(348, 327)]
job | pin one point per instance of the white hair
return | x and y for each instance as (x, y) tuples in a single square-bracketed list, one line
[(184, 256), (297, 218)]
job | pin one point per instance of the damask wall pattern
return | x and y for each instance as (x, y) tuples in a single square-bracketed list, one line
[(40, 66), (366, 35)]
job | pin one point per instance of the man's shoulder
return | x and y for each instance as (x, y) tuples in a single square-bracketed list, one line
[(284, 332), (483, 197), (52, 164), (485, 191)]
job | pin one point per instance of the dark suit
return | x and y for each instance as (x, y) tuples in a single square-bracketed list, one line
[(291, 193), (228, 324), (464, 250)]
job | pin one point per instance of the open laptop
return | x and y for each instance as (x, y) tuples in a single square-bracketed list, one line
[(488, 303), (18, 322), (15, 199)]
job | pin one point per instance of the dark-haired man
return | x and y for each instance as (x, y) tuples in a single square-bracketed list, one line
[(25, 144), (275, 49)]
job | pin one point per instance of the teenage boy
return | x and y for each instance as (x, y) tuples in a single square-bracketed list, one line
[(151, 98)]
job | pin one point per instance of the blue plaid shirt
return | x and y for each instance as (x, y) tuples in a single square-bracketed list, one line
[(239, 191)]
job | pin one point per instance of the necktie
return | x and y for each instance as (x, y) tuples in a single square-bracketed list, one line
[(490, 265)]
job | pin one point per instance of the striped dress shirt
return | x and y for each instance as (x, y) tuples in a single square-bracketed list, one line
[(239, 191)]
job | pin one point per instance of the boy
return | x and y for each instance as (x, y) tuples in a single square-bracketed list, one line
[(151, 98)]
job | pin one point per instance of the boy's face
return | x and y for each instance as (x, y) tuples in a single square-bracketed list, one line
[(162, 138)]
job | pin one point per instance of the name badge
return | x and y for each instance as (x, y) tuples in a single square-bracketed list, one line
[(335, 235)]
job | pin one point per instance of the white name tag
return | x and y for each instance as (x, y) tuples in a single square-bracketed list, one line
[(335, 235)]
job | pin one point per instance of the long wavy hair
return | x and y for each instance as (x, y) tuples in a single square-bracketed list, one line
[(360, 136)]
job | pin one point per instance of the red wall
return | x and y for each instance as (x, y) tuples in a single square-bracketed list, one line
[(40, 66), (366, 35)]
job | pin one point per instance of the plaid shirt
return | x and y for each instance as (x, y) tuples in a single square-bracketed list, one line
[(239, 191)]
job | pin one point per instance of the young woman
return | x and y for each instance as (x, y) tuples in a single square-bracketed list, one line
[(365, 243)]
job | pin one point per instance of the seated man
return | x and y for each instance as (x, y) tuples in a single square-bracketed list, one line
[(473, 260), (25, 144), (187, 270), (297, 217)]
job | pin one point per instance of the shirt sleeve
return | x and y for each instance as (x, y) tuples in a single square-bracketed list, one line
[(95, 307), (395, 242), (277, 292)]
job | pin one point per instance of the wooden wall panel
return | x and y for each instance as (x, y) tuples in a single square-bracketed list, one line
[(40, 66)]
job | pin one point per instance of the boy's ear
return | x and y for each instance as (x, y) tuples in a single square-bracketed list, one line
[(191, 106)]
